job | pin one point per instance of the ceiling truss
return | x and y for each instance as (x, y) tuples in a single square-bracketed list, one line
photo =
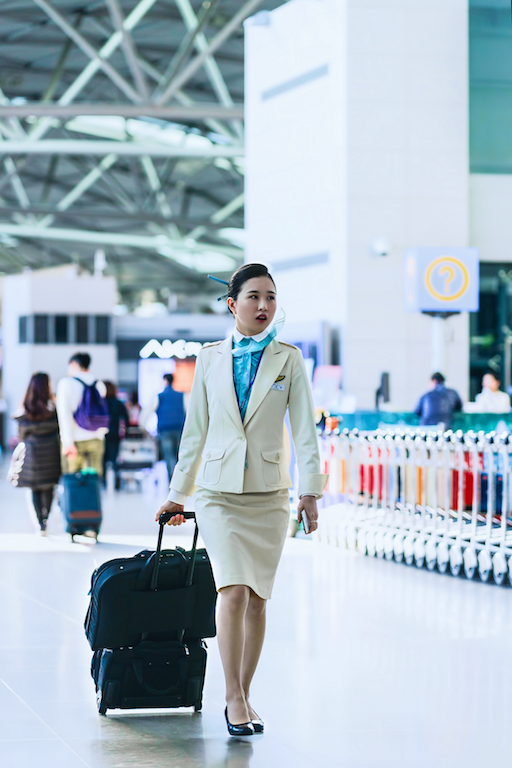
[(121, 126)]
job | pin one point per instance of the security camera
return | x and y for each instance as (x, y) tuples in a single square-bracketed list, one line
[(380, 247)]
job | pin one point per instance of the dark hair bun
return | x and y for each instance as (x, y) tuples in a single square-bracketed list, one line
[(243, 274)]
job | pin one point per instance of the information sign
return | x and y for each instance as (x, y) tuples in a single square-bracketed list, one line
[(441, 280)]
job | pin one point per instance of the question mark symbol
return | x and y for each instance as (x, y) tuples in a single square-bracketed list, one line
[(449, 271)]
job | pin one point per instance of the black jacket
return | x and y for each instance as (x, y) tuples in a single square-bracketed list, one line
[(438, 406), (41, 466), (118, 413)]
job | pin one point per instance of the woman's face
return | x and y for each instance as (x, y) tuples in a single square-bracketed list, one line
[(255, 307)]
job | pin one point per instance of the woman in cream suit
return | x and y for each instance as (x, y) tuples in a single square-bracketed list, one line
[(232, 457)]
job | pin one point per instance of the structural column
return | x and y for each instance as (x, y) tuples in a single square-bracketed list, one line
[(357, 124)]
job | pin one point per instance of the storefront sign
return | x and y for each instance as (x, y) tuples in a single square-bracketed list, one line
[(167, 349)]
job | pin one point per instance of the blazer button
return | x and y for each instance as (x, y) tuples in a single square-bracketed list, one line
[(208, 455), (278, 456)]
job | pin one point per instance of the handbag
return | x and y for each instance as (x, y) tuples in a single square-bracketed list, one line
[(16, 464)]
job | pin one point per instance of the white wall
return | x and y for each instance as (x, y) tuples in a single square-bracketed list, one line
[(174, 326), (51, 291), (295, 154), (375, 148), (408, 181)]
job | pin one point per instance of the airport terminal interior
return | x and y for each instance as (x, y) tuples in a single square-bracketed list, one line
[(352, 161)]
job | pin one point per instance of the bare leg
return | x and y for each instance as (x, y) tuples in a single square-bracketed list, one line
[(231, 636), (254, 635)]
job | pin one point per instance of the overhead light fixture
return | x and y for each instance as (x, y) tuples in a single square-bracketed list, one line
[(221, 162), (8, 241), (235, 235), (207, 261)]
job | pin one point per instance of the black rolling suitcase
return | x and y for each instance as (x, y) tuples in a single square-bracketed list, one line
[(153, 674), (80, 501), (146, 622)]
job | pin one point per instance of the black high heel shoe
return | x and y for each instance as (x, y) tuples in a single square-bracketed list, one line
[(258, 725), (244, 729)]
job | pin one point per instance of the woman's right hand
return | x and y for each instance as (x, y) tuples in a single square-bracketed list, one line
[(176, 509)]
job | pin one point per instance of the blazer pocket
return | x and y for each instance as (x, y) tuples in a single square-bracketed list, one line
[(271, 467), (213, 465)]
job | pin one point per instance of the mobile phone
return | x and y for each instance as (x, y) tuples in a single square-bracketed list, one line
[(305, 521)]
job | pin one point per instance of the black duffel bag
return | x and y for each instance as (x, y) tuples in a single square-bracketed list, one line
[(162, 595)]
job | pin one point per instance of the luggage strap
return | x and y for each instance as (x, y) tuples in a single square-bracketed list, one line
[(163, 519)]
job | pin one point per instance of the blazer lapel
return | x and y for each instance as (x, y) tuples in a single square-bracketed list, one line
[(272, 363), (224, 371)]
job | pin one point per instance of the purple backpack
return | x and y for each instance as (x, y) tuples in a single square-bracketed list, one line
[(92, 413)]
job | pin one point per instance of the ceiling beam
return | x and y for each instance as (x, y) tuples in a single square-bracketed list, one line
[(102, 214), (16, 182), (157, 243), (156, 186), (219, 39), (201, 43), (81, 187), (186, 46), (134, 148), (106, 51), (197, 111), (129, 49), (89, 50), (61, 63), (226, 211)]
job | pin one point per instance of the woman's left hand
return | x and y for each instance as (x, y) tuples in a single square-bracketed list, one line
[(308, 504)]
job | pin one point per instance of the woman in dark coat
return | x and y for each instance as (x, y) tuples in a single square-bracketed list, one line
[(38, 464)]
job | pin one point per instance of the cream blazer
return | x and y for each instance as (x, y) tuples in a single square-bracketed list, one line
[(221, 453)]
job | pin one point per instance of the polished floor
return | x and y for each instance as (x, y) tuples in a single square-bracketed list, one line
[(367, 664)]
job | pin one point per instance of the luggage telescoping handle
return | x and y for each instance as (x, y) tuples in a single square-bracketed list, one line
[(162, 520)]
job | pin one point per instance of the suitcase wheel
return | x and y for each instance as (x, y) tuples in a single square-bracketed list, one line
[(102, 707), (198, 706)]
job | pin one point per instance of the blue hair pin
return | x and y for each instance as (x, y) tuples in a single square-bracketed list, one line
[(218, 280)]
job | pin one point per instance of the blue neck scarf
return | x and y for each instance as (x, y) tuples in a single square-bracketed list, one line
[(247, 355)]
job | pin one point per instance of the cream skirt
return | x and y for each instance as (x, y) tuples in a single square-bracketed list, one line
[(244, 535)]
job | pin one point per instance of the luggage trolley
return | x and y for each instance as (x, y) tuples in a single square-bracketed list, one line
[(138, 451), (426, 497)]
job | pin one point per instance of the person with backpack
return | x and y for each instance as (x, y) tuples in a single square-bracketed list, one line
[(83, 416), (438, 405)]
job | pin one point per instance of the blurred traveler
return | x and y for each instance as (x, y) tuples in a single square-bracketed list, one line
[(134, 409), (491, 399), (36, 460), (118, 425), (169, 406), (83, 416), (438, 405)]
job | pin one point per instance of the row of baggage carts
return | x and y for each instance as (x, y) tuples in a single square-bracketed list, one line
[(440, 500)]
